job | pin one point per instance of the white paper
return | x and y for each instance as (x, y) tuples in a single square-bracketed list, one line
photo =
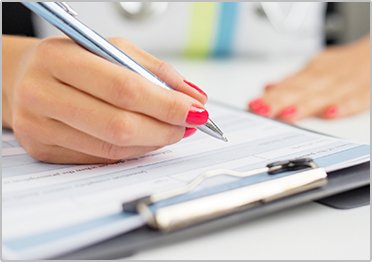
[(38, 197)]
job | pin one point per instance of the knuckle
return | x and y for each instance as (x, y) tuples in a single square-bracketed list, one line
[(47, 54), (173, 110), (123, 90), (163, 67), (45, 46), (49, 46), (121, 129)]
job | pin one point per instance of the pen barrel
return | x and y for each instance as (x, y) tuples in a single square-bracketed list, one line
[(89, 39), (195, 211)]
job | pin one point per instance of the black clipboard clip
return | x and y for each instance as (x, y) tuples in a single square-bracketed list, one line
[(161, 213)]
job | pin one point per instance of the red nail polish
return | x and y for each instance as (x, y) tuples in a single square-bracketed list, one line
[(197, 115), (196, 88), (330, 112), (255, 104), (189, 131), (264, 110), (259, 107), (288, 112)]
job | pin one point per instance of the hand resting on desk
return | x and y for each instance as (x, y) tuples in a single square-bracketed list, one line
[(336, 83)]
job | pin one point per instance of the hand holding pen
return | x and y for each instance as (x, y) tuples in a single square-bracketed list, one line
[(72, 106), (67, 105), (62, 16)]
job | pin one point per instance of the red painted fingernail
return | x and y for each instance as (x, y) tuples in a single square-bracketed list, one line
[(288, 112), (196, 88), (330, 112), (255, 104), (189, 131), (264, 110), (259, 107), (197, 115)]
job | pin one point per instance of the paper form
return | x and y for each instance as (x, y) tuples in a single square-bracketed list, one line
[(39, 198)]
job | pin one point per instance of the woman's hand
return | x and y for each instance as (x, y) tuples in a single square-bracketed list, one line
[(334, 84), (67, 105)]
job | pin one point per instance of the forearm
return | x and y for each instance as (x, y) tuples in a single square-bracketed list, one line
[(14, 50)]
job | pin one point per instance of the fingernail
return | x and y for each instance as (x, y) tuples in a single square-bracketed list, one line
[(189, 131), (197, 115), (259, 107), (255, 104), (288, 112), (196, 88), (264, 110), (330, 112)]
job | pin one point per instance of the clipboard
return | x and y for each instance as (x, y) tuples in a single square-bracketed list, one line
[(145, 238), (339, 182), (125, 245)]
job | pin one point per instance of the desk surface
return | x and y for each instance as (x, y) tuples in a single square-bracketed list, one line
[(311, 231)]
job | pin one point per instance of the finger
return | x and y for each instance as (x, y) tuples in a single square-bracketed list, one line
[(61, 155), (296, 90), (302, 109), (287, 93), (57, 154), (78, 141), (307, 106), (269, 86), (313, 104), (276, 97), (163, 70), (121, 87), (103, 121), (347, 106)]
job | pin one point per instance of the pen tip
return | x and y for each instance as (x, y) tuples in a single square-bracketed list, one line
[(225, 139)]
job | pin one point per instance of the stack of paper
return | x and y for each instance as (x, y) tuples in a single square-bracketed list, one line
[(52, 209)]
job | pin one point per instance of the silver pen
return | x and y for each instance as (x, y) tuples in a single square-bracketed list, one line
[(63, 17)]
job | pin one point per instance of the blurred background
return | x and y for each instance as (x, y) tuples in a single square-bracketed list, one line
[(347, 21), (257, 29)]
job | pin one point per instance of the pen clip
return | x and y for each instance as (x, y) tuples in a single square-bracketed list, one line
[(67, 8)]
